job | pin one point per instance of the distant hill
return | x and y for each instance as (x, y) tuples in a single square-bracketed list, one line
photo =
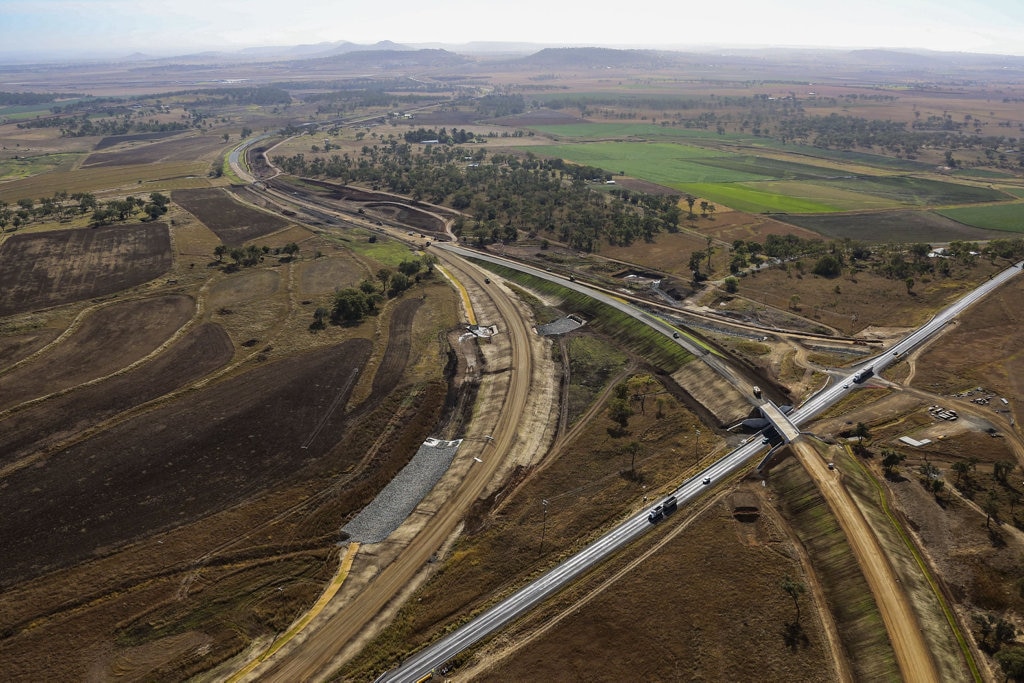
[(392, 59), (598, 58)]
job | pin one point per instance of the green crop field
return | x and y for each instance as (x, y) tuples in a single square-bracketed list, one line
[(913, 191), (772, 168), (760, 197), (663, 163), (1008, 217)]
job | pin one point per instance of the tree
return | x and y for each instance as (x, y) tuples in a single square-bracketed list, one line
[(794, 302), (219, 251), (695, 261), (909, 282), (828, 266), (861, 431), (732, 285), (351, 306), (961, 467), (990, 507), (1002, 469), (318, 319), (399, 283), (384, 275), (690, 201), (620, 412), (633, 448), (794, 589), (891, 460), (1011, 661)]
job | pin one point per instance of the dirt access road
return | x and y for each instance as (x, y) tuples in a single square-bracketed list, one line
[(313, 657), (912, 653)]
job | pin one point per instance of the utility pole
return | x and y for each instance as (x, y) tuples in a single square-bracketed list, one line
[(696, 443)]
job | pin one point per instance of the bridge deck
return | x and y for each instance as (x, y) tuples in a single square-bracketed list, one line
[(782, 424)]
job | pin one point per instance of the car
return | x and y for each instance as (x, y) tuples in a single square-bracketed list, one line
[(766, 441), (707, 480), (487, 280), (675, 335), (846, 386), (896, 353)]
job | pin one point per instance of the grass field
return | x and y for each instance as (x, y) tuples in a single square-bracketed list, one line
[(1008, 217), (24, 167), (138, 180)]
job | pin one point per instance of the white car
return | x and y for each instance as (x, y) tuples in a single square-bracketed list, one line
[(707, 480)]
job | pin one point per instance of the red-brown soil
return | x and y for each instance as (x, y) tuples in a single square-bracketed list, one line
[(233, 222), (51, 268), (208, 451), (185, 149), (40, 427), (107, 340)]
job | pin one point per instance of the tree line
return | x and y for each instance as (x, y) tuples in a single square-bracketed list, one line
[(503, 195)]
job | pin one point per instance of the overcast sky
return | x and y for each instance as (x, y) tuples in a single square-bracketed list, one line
[(178, 26)]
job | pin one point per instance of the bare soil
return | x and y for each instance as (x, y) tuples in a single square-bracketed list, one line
[(41, 427), (15, 347), (105, 341), (52, 268), (224, 444), (233, 222), (144, 152), (233, 524)]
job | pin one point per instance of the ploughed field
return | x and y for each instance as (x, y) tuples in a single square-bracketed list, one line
[(52, 268), (223, 444), (233, 222)]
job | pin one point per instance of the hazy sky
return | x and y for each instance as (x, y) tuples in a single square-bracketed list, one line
[(177, 26)]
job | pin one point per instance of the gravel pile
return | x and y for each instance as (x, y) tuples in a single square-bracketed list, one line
[(560, 326), (403, 493)]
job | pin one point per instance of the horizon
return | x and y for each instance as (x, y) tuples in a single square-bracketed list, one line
[(45, 30)]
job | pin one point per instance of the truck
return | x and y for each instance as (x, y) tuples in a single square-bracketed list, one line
[(665, 507), (863, 374)]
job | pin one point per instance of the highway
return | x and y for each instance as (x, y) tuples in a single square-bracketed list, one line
[(501, 614)]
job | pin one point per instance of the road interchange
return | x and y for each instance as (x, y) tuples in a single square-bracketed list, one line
[(503, 613)]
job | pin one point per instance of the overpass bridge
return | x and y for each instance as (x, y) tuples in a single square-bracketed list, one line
[(780, 421)]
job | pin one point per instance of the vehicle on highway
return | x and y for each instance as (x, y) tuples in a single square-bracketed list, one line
[(662, 509), (707, 480), (675, 335), (656, 515), (863, 374), (757, 392), (766, 440), (846, 386), (487, 280)]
